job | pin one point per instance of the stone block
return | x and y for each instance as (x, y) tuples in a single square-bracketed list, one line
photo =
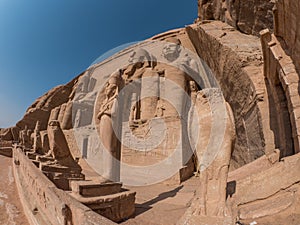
[(6, 151), (45, 167), (92, 189), (62, 180), (116, 207), (31, 155)]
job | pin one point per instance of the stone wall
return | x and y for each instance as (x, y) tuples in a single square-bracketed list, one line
[(283, 85), (287, 27), (44, 203), (249, 16)]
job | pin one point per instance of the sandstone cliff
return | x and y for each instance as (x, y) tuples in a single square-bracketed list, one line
[(40, 110), (287, 27), (252, 16), (249, 17)]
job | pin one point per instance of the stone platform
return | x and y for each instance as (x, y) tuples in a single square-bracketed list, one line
[(60, 175), (108, 199)]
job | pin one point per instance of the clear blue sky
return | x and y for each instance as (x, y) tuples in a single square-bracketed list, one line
[(47, 43)]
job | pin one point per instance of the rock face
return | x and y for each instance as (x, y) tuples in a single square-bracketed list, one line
[(249, 17), (237, 67), (41, 109), (287, 27)]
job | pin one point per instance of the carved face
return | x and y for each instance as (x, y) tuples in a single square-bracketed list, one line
[(110, 90), (136, 60), (193, 86), (171, 51)]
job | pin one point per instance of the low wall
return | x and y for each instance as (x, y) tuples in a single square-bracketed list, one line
[(44, 203), (284, 88), (287, 27)]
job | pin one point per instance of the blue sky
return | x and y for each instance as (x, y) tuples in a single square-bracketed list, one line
[(47, 43)]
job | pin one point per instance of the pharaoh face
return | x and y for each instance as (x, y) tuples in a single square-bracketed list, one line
[(171, 51), (110, 89)]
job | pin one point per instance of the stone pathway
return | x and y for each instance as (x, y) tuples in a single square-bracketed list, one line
[(162, 204), (159, 204), (11, 210)]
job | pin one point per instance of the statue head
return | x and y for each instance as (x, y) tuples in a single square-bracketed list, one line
[(114, 84), (139, 57), (171, 50), (111, 89), (54, 125), (193, 86)]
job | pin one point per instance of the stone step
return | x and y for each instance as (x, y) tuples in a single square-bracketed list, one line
[(32, 155), (93, 189), (45, 159), (116, 207), (59, 169)]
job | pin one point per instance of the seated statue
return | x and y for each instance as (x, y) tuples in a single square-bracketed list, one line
[(24, 138), (37, 139), (59, 149)]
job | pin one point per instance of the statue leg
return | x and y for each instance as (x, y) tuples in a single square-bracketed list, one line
[(201, 210), (221, 209)]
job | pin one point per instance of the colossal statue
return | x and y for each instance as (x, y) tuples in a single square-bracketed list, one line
[(108, 113)]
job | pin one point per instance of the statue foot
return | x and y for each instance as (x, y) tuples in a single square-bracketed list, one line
[(222, 211), (200, 211), (52, 163), (48, 154)]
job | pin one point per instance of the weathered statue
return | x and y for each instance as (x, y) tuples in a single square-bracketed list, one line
[(213, 171), (142, 67), (133, 112), (175, 78), (59, 148), (139, 60), (193, 91), (160, 109), (108, 113), (24, 138), (83, 86), (30, 142), (37, 139)]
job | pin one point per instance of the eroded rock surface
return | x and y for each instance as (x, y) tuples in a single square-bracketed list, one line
[(249, 17)]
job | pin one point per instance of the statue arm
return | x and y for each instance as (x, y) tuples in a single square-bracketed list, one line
[(102, 111), (114, 108)]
